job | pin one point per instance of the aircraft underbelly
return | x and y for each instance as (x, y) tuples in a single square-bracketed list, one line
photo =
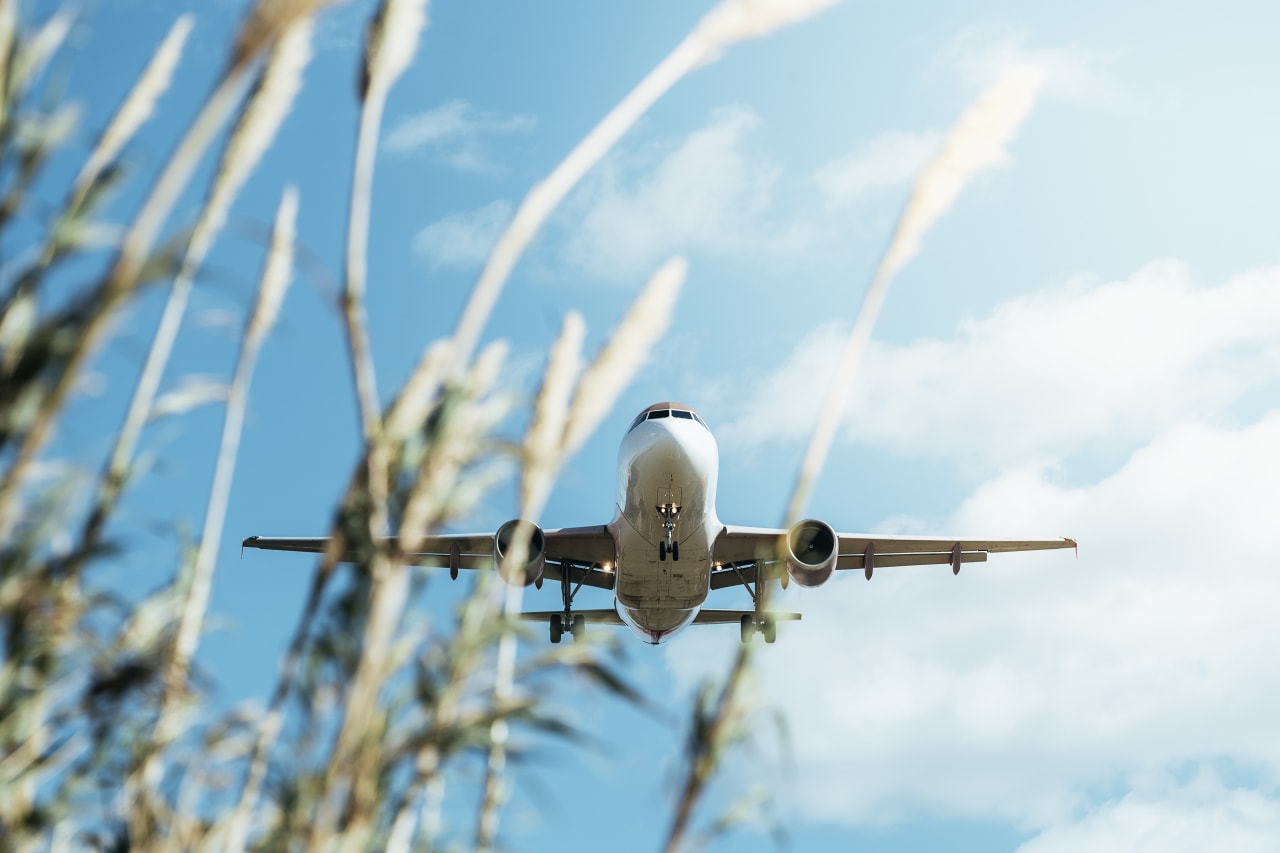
[(659, 596)]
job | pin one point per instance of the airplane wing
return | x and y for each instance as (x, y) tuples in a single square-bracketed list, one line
[(742, 554), (576, 552)]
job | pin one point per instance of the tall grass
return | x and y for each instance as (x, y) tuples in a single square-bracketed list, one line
[(107, 737)]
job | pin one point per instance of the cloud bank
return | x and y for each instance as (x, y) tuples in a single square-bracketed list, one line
[(1043, 375), (1121, 701)]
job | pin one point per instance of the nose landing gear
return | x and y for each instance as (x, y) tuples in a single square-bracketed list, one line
[(669, 513)]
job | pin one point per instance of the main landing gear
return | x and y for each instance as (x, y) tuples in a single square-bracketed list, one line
[(568, 622), (669, 513), (766, 626), (576, 625)]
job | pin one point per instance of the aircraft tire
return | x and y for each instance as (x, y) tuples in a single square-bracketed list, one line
[(662, 550), (748, 628), (557, 628), (770, 631), (579, 626), (675, 550)]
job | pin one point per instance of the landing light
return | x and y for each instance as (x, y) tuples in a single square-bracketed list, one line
[(608, 567)]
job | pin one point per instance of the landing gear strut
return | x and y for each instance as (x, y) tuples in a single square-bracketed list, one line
[(669, 513), (568, 621)]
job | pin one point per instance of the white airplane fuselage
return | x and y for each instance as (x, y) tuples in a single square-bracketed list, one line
[(667, 461)]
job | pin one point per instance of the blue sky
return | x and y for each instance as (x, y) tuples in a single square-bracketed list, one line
[(1085, 346)]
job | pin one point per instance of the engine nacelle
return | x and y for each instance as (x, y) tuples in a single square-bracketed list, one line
[(812, 548), (534, 563)]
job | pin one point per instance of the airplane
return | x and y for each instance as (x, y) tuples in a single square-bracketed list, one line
[(666, 550)]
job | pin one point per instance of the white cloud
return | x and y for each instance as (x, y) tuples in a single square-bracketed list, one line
[(1019, 690), (983, 53), (1200, 816), (1070, 366), (708, 192), (885, 162), (463, 239), (453, 133)]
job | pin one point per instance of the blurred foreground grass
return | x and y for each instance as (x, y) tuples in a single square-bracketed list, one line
[(108, 738)]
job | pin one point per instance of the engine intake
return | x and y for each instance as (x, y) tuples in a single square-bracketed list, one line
[(535, 561), (812, 548)]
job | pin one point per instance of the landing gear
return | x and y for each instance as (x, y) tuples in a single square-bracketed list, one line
[(568, 622), (669, 513), (766, 626), (575, 626)]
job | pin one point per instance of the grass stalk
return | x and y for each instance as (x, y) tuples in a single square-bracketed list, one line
[(257, 126), (276, 273)]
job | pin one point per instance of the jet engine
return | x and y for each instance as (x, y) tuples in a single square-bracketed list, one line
[(812, 548), (534, 563)]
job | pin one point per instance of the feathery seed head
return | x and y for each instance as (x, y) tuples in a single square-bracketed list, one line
[(277, 270), (267, 23), (391, 41), (628, 348), (138, 105)]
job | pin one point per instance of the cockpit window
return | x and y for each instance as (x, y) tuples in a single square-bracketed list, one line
[(654, 414)]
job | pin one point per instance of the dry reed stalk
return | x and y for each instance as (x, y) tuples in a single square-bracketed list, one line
[(560, 426), (135, 110), (8, 35), (121, 282), (32, 57), (545, 436), (276, 273), (259, 122), (542, 457), (628, 347), (976, 142), (729, 22), (269, 20), (454, 444), (391, 42)]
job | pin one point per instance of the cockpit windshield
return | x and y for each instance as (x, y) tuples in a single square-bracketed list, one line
[(667, 410)]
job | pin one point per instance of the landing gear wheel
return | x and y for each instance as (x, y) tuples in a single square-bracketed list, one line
[(748, 628), (770, 630), (675, 550), (662, 550), (579, 626), (557, 627)]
